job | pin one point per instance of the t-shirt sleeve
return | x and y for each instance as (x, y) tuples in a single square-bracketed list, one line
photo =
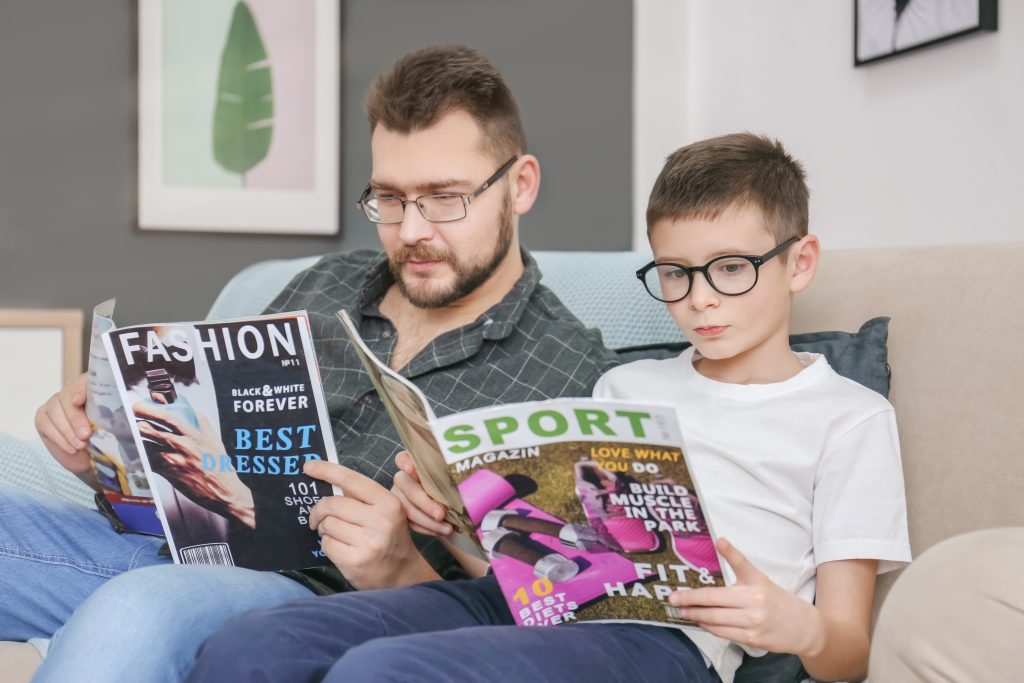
[(859, 509)]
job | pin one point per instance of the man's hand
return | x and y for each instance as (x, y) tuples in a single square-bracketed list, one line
[(425, 515), (364, 532), (175, 451), (64, 429), (754, 611)]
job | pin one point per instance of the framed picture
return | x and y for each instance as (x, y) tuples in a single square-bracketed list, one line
[(42, 351), (239, 115), (886, 28)]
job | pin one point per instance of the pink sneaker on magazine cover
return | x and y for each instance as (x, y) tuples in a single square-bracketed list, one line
[(593, 485)]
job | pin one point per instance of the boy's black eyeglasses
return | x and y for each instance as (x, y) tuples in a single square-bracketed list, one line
[(730, 275), (436, 208)]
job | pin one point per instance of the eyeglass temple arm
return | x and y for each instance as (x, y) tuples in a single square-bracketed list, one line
[(487, 183)]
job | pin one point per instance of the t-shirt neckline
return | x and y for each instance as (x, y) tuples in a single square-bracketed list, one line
[(815, 367)]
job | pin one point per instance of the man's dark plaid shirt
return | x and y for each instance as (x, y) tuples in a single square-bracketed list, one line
[(527, 347)]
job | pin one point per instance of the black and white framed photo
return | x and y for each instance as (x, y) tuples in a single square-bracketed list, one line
[(886, 28)]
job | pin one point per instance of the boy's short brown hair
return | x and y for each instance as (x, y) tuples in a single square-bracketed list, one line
[(421, 87), (742, 169)]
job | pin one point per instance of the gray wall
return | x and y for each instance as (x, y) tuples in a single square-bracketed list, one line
[(68, 233)]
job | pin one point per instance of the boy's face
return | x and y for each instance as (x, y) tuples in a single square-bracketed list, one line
[(749, 332)]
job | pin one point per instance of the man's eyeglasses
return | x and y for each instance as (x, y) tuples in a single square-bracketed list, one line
[(729, 275), (436, 208)]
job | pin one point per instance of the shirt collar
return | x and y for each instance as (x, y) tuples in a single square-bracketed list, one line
[(378, 280), (500, 319)]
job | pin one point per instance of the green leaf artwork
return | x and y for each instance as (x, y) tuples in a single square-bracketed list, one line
[(243, 121)]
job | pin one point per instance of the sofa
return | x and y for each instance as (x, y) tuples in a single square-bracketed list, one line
[(956, 320)]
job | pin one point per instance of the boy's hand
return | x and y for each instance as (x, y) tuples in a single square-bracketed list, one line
[(754, 611), (364, 531), (425, 515), (64, 428)]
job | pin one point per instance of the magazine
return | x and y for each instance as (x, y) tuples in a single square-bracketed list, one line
[(586, 509), (223, 415)]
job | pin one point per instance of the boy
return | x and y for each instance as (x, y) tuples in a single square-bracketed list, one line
[(799, 468)]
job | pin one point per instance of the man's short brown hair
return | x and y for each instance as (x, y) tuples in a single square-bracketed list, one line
[(421, 87), (702, 180)]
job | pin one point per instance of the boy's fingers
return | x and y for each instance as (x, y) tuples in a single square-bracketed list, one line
[(744, 569), (707, 597), (715, 616)]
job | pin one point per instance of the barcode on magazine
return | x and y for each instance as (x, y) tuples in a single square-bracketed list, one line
[(211, 553)]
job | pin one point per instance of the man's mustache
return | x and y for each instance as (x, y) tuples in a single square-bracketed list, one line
[(420, 252)]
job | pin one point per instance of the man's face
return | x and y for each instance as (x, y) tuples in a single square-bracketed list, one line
[(438, 264), (729, 329)]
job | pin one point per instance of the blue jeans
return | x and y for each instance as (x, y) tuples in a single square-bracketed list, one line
[(440, 631), (53, 555), (114, 609)]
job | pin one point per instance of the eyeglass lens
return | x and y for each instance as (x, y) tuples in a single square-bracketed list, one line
[(436, 207), (728, 275)]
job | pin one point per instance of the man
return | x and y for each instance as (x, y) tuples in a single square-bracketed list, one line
[(454, 304)]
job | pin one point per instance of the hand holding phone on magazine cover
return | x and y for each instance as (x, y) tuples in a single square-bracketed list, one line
[(425, 515), (364, 531), (176, 448), (757, 612), (64, 428)]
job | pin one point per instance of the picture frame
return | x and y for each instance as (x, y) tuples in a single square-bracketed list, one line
[(239, 116), (883, 29), (42, 353)]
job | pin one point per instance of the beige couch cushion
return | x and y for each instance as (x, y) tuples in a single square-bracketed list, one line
[(955, 349)]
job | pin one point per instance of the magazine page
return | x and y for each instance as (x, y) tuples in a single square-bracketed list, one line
[(587, 508), (115, 459), (411, 414), (225, 414)]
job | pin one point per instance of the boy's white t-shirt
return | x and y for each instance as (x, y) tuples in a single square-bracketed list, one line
[(793, 473)]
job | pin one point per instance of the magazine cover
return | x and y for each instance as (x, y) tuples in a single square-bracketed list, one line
[(115, 459), (224, 415), (587, 508)]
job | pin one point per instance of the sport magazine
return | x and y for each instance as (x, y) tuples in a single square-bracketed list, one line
[(586, 509)]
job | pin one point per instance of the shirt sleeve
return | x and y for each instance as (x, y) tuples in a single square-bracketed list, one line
[(859, 508)]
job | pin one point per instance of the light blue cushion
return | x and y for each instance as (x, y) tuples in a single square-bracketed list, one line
[(600, 287), (26, 464), (254, 287)]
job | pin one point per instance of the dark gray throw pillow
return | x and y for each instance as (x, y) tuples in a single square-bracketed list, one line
[(860, 356)]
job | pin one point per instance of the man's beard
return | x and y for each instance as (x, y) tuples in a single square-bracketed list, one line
[(468, 276)]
